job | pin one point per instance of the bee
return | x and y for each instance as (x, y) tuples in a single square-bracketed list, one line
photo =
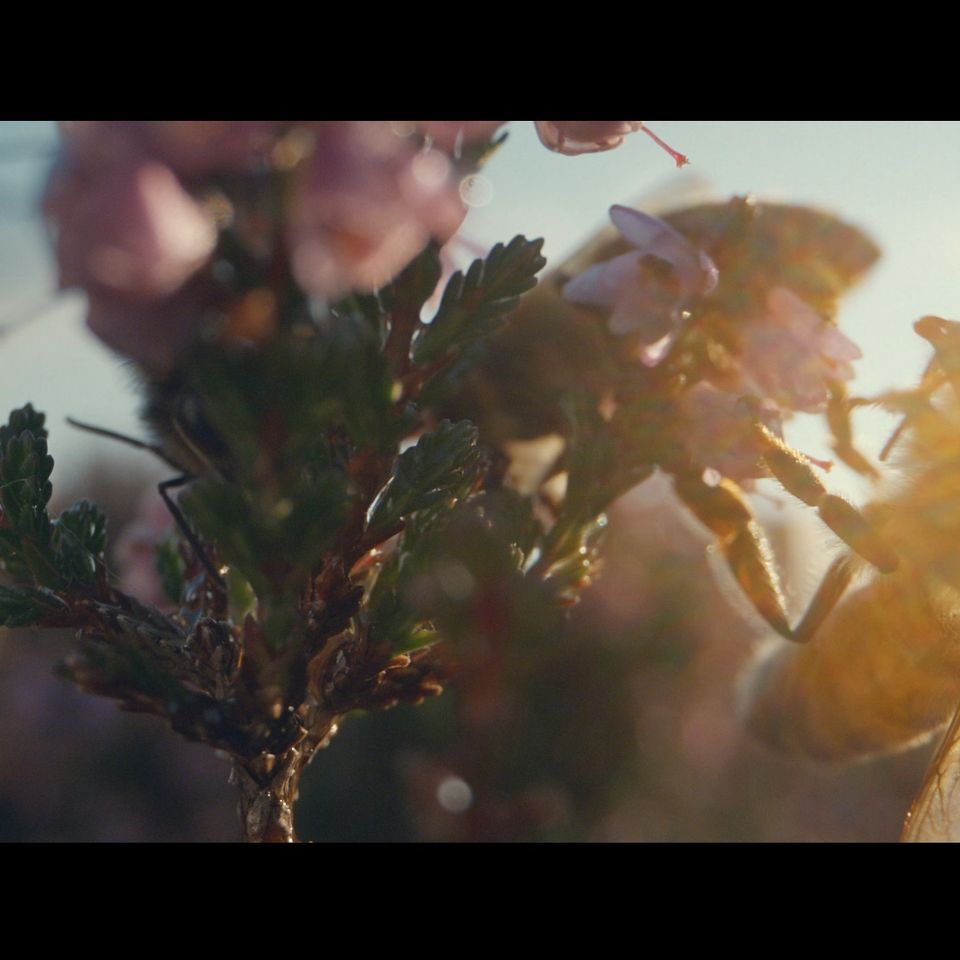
[(881, 669), (552, 348)]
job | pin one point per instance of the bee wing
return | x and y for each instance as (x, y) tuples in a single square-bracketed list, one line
[(935, 814)]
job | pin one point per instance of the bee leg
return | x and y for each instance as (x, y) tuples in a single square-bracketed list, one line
[(913, 404), (181, 521), (123, 438), (944, 335), (832, 587), (724, 511), (838, 419), (798, 478)]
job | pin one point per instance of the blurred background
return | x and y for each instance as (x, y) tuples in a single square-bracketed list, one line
[(628, 729)]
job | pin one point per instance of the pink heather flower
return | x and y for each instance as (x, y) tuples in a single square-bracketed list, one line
[(791, 352), (366, 205), (129, 234), (153, 331), (574, 137), (194, 147), (718, 434), (189, 147), (648, 288), (445, 132), (127, 227)]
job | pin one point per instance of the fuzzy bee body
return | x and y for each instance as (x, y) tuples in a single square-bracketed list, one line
[(882, 671)]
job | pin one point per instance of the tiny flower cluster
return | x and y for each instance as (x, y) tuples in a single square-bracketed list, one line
[(134, 207), (786, 354), (137, 208)]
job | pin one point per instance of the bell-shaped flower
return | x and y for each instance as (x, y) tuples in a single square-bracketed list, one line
[(366, 205), (189, 147), (791, 352), (445, 133), (717, 434), (648, 288), (127, 227), (573, 137)]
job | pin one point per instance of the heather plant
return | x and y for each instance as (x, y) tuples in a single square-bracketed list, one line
[(391, 478)]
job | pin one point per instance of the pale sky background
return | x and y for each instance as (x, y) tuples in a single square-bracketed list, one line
[(896, 179)]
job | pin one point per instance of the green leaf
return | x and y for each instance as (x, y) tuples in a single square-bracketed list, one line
[(474, 304), (274, 538), (25, 490), (78, 538), (169, 565), (25, 418), (458, 572), (23, 605), (412, 288), (443, 466)]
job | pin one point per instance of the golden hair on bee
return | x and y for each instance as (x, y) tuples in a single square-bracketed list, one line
[(882, 669)]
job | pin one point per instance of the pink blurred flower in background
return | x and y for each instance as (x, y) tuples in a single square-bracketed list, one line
[(189, 147), (365, 205), (198, 147), (136, 215), (573, 137), (445, 132), (129, 234), (791, 352), (128, 227), (648, 288)]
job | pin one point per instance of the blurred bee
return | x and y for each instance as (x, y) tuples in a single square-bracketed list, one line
[(552, 348), (881, 670)]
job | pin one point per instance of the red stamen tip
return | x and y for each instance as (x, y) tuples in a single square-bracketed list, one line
[(680, 159)]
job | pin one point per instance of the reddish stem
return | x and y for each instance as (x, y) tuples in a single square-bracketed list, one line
[(679, 158)]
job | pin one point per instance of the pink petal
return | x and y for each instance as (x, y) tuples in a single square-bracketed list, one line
[(130, 228), (365, 205), (445, 132), (836, 346), (641, 229), (602, 284), (697, 271), (576, 137)]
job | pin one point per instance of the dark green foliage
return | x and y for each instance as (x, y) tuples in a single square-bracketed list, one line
[(23, 605), (169, 564), (410, 291), (24, 419), (78, 540), (25, 490), (453, 567), (600, 469), (34, 551), (443, 466), (475, 303), (273, 542)]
